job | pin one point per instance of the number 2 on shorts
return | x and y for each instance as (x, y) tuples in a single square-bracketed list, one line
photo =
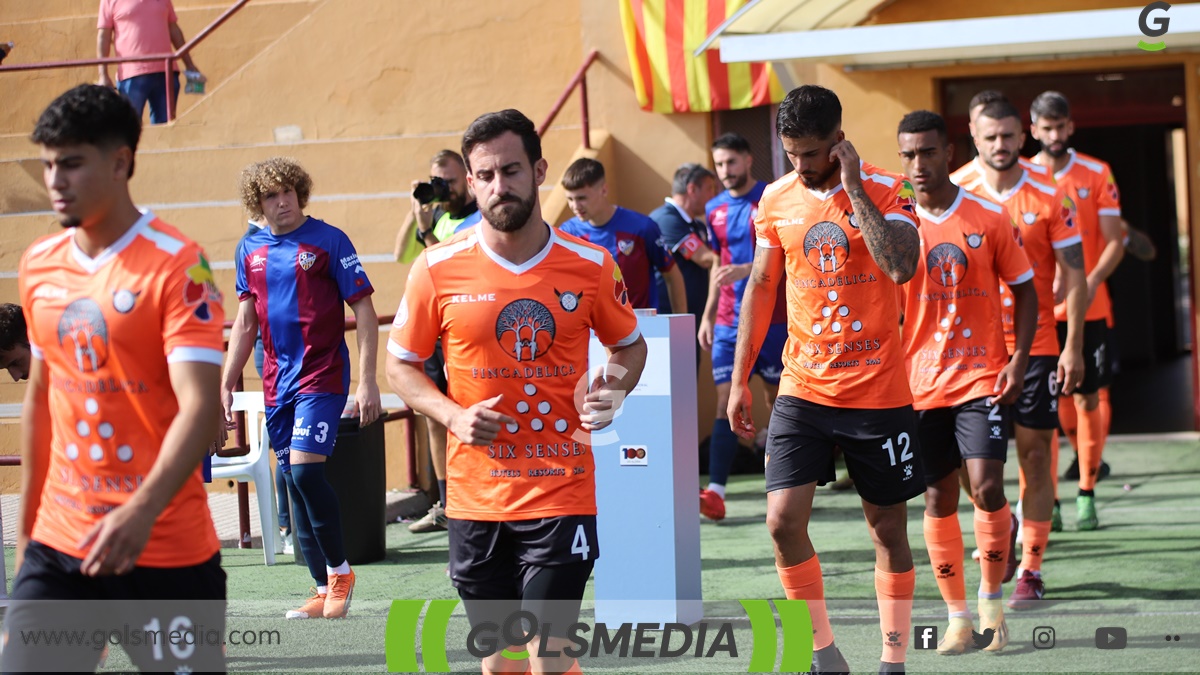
[(903, 441), (580, 543)]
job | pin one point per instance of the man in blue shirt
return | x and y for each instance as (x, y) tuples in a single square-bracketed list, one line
[(633, 239), (685, 234)]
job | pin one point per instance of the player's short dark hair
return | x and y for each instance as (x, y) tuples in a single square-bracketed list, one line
[(583, 173), (920, 121), (689, 174), (999, 110), (492, 125), (809, 111), (1050, 104), (445, 157), (985, 97), (13, 331), (89, 114), (732, 141)]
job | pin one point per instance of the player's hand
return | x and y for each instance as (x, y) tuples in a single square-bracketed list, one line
[(366, 403), (1070, 371), (222, 437), (114, 543), (740, 406), (728, 274), (1010, 381), (227, 407), (705, 335), (845, 153), (479, 424), (600, 404)]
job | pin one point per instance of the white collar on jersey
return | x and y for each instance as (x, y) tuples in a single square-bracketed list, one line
[(92, 264), (1066, 167), (506, 264), (679, 208), (1011, 191), (925, 215)]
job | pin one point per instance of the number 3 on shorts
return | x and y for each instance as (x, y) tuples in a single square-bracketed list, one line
[(580, 543), (905, 453)]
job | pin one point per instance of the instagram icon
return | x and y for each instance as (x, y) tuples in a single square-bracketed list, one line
[(1043, 637)]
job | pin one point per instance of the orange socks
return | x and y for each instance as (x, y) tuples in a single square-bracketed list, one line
[(803, 582), (944, 540), (528, 670), (1067, 417), (575, 668), (1091, 446), (1106, 408), (1037, 534), (992, 533), (894, 592)]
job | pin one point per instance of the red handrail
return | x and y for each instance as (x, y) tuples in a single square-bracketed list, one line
[(579, 80), (167, 58)]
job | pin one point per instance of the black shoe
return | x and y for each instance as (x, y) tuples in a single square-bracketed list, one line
[(1073, 470), (885, 667), (829, 661), (1103, 472)]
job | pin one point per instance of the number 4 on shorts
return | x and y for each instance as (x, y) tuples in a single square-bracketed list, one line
[(580, 543)]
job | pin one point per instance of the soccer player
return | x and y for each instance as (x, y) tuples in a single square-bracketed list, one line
[(522, 510), (1089, 182), (961, 376), (1045, 216), (731, 236), (632, 238), (122, 404), (970, 171), (14, 342), (292, 278), (844, 232)]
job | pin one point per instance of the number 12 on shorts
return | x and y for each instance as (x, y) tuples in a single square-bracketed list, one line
[(905, 452), (580, 543)]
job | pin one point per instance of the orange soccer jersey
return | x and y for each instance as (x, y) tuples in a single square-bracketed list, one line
[(520, 331), (953, 333), (107, 328), (973, 171), (1046, 217), (844, 347), (1090, 184)]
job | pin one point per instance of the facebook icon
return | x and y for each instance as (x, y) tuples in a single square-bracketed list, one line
[(925, 637)]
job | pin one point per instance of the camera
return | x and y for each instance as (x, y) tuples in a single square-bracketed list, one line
[(436, 190)]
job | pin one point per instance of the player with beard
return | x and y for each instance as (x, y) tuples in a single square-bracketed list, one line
[(1089, 182), (844, 233), (970, 171), (1045, 217), (520, 473)]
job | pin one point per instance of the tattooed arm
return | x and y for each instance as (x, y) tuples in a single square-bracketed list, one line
[(1074, 281), (895, 246), (758, 304)]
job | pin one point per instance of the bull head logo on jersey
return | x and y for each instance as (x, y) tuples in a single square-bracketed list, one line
[(947, 264), (83, 333), (826, 247), (525, 329)]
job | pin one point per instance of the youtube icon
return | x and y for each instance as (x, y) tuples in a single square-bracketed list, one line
[(1112, 637)]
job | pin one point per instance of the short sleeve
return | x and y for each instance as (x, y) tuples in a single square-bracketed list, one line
[(171, 17), (345, 268), (656, 248), (612, 316), (900, 203), (104, 19), (192, 314), (1008, 255), (1109, 201), (418, 323), (765, 235), (1063, 229), (239, 262)]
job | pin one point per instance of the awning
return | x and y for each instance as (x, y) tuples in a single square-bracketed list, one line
[(783, 16), (1051, 35)]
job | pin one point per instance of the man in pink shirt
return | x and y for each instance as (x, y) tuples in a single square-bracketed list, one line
[(137, 27)]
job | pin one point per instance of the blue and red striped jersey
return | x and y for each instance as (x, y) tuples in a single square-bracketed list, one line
[(298, 282), (636, 243), (731, 236)]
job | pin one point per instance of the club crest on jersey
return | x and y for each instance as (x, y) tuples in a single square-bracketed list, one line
[(124, 299), (974, 240), (1112, 189), (946, 264), (826, 247), (1083, 192), (568, 300), (525, 329), (1068, 211), (306, 259), (851, 219), (625, 246), (1016, 232), (83, 335), (620, 292), (1029, 218)]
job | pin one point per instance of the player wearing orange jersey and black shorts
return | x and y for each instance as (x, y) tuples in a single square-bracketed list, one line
[(844, 234), (122, 404), (522, 507), (1090, 184), (1045, 216), (972, 170), (960, 372)]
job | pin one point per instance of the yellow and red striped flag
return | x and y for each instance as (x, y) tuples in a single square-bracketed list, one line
[(660, 36)]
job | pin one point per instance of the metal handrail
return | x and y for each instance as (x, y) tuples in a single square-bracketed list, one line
[(579, 80), (168, 59)]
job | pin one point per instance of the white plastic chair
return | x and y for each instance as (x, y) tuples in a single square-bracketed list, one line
[(254, 467)]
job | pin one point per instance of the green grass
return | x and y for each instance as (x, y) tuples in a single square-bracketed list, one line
[(1138, 571)]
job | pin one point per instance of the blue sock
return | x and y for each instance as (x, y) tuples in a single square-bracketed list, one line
[(321, 504), (304, 539), (442, 492), (281, 493), (722, 446)]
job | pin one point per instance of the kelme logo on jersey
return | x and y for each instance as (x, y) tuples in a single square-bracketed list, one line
[(83, 334), (306, 259), (826, 247), (525, 329), (947, 264)]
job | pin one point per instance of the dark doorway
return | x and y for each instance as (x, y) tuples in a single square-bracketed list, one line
[(1132, 119)]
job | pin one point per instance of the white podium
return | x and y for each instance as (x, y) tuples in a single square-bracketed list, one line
[(647, 486)]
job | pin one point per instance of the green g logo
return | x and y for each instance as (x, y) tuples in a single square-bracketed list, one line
[(1159, 28)]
